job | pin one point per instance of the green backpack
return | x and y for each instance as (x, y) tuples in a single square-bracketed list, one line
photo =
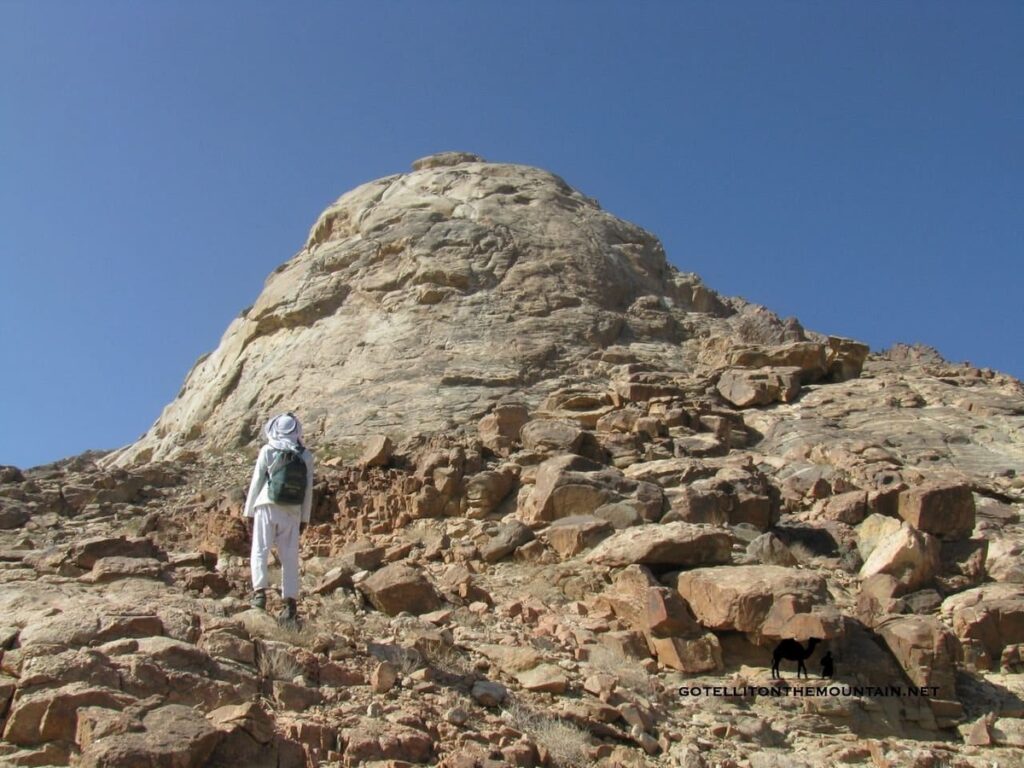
[(286, 478)]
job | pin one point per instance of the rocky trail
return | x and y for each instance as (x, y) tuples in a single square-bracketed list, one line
[(568, 502)]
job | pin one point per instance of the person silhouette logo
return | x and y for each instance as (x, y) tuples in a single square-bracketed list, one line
[(827, 666)]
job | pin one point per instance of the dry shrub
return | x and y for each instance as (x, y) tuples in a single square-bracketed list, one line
[(567, 743), (445, 657), (801, 552), (628, 671), (265, 627), (278, 666)]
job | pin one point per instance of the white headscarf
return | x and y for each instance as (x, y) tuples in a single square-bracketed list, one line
[(284, 432)]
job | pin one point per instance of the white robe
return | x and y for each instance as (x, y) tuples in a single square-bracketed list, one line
[(276, 525)]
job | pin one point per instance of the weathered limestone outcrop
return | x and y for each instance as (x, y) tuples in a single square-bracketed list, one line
[(422, 299)]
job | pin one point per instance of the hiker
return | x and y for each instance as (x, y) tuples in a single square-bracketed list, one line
[(277, 509)]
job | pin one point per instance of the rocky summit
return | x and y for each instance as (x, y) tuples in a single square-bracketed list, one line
[(572, 507)]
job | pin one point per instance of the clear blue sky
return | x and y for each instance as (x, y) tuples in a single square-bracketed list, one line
[(857, 164)]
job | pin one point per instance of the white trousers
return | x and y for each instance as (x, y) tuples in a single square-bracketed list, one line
[(275, 527)]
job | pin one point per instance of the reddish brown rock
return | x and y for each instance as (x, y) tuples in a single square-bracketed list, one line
[(377, 452), (926, 649), (987, 619), (943, 510), (486, 490), (637, 598), (746, 388), (108, 569), (807, 356), (678, 545), (500, 429), (551, 435), (398, 587), (294, 697), (571, 485), (545, 678), (510, 535), (49, 715), (740, 597), (227, 645), (690, 655), (845, 358), (173, 735), (571, 535), (849, 508), (85, 553), (13, 516)]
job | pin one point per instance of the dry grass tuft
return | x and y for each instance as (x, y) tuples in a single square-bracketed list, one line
[(628, 671), (567, 743), (802, 553), (278, 666), (265, 627), (445, 657)]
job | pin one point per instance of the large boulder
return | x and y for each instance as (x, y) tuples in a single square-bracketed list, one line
[(500, 429), (909, 555), (987, 619), (47, 715), (544, 678), (707, 501), (571, 535), (669, 473), (569, 485), (84, 553), (874, 529), (740, 597), (769, 549), (172, 735), (84, 625), (845, 358), (377, 451), (746, 388), (689, 655), (1005, 560), (552, 435), (668, 545), (848, 508), (512, 533), (926, 649), (943, 510), (485, 490), (13, 516), (399, 587), (642, 603), (808, 357), (108, 569)]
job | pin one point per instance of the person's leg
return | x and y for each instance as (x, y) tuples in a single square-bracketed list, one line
[(287, 541), (262, 538)]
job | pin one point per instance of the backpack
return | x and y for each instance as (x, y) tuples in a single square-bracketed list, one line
[(286, 477)]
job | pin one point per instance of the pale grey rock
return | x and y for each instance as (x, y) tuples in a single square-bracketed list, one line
[(420, 300)]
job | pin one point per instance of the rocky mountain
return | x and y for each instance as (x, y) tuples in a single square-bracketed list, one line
[(572, 506), (421, 300)]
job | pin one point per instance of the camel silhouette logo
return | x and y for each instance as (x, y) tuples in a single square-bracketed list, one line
[(793, 650)]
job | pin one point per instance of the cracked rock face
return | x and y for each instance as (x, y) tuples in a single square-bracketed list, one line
[(421, 299)]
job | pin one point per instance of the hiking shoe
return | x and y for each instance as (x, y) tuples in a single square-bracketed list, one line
[(259, 600), (289, 612)]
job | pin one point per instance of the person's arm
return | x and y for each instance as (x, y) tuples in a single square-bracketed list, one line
[(259, 477), (307, 500)]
